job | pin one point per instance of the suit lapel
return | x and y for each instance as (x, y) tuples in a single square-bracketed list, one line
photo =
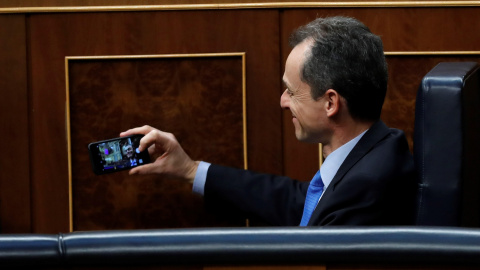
[(376, 133)]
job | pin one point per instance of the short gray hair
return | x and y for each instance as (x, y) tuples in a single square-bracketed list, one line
[(347, 57)]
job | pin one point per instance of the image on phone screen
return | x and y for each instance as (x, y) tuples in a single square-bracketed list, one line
[(117, 154)]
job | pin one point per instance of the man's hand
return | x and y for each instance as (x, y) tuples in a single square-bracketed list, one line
[(167, 156)]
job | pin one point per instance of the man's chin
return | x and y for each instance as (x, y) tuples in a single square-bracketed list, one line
[(305, 139), (301, 137)]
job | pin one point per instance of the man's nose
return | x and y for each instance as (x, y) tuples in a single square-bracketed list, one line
[(284, 100)]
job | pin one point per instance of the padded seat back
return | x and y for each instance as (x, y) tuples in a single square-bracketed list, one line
[(446, 145)]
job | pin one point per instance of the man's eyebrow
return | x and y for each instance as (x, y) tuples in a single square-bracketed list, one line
[(286, 84)]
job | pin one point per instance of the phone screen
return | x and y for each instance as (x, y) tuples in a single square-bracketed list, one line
[(117, 154)]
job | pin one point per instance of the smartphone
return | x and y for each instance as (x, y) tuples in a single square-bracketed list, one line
[(117, 154)]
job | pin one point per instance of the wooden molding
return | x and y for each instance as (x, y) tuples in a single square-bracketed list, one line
[(284, 5), (68, 60)]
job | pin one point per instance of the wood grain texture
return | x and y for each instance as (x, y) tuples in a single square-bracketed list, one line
[(89, 3), (54, 36), (14, 120), (406, 74), (197, 99), (262, 34), (407, 29)]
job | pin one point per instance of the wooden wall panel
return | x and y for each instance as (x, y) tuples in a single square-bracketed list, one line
[(408, 30), (406, 73), (14, 118), (38, 78), (54, 36), (199, 99)]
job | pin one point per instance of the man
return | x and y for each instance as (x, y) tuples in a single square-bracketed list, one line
[(336, 80), (127, 151)]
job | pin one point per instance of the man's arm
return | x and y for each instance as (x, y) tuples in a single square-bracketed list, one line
[(277, 200)]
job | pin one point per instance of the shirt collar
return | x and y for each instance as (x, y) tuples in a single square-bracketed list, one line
[(333, 162)]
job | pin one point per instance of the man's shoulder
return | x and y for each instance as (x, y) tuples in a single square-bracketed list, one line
[(384, 152), (382, 136)]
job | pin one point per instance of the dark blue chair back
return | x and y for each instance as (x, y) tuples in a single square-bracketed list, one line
[(446, 145)]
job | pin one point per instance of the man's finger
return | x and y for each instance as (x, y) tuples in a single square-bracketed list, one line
[(139, 130), (155, 137), (144, 169), (151, 150)]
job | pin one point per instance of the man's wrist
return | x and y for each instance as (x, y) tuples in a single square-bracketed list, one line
[(200, 178), (192, 172)]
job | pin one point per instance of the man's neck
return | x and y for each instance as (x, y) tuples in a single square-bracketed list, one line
[(345, 133)]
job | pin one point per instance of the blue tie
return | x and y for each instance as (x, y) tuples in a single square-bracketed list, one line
[(315, 189)]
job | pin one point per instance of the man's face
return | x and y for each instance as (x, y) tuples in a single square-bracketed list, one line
[(308, 114), (128, 151)]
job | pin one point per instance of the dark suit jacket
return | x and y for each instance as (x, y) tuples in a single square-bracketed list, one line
[(375, 185)]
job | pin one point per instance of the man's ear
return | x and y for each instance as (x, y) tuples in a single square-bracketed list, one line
[(333, 102)]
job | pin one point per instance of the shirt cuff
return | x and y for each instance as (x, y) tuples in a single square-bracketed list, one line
[(200, 178)]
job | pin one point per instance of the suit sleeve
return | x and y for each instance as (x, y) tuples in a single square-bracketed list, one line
[(276, 200)]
